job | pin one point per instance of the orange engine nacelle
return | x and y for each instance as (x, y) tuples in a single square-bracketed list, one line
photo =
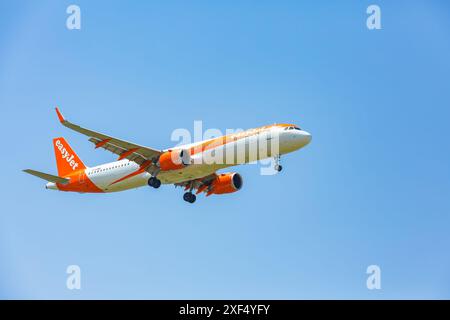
[(226, 183), (174, 160)]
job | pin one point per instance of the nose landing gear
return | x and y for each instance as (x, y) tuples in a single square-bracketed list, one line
[(277, 166)]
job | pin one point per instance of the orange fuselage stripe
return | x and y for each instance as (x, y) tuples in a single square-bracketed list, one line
[(223, 140), (141, 169)]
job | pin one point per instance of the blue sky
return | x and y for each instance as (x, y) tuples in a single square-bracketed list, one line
[(372, 188)]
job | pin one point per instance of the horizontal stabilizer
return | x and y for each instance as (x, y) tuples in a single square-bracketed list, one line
[(47, 177)]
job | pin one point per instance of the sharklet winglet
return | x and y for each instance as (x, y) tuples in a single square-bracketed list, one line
[(60, 116)]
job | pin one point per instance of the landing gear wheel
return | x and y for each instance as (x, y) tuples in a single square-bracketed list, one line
[(157, 183), (154, 182), (189, 197), (277, 166)]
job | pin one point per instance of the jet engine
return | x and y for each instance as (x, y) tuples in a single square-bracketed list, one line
[(226, 183), (174, 159)]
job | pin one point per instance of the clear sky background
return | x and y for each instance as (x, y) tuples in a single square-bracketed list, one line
[(373, 186)]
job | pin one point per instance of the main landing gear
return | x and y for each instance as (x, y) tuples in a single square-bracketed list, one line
[(154, 182), (277, 166), (189, 197)]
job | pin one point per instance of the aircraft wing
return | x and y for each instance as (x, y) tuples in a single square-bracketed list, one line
[(142, 155)]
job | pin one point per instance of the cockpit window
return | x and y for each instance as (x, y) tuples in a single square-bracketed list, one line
[(292, 128)]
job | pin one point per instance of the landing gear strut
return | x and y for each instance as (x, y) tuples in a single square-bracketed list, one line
[(189, 197), (277, 166), (154, 182)]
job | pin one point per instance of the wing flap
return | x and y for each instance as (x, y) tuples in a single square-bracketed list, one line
[(123, 153), (201, 184)]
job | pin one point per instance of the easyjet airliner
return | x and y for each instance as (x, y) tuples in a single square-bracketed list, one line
[(184, 166)]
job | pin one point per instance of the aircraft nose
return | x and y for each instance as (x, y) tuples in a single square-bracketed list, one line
[(306, 137), (300, 138)]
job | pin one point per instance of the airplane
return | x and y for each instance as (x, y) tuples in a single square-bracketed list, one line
[(182, 166)]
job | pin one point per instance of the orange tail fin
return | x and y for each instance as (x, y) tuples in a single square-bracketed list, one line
[(67, 160)]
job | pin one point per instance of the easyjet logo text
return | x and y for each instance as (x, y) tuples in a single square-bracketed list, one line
[(66, 156)]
